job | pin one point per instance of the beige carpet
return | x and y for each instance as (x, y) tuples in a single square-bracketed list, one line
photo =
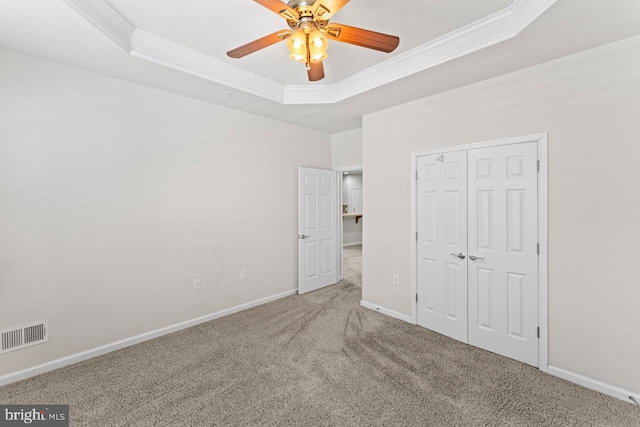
[(315, 360)]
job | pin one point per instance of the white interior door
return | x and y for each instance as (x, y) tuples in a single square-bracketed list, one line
[(503, 258), (355, 204), (317, 229), (442, 243)]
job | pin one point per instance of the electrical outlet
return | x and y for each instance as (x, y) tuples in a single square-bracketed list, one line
[(196, 284), (243, 274), (396, 280)]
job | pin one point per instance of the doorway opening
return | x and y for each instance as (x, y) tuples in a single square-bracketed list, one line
[(352, 208), (330, 219)]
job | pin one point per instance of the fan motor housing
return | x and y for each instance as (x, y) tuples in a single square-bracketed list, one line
[(302, 7), (298, 3)]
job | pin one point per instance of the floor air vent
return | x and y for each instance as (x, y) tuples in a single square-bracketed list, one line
[(24, 336)]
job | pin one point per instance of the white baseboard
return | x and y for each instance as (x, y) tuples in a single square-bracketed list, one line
[(587, 382), (593, 384), (351, 244), (386, 311), (107, 348)]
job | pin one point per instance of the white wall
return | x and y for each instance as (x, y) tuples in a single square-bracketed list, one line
[(589, 104), (346, 151), (346, 148), (114, 196), (351, 231)]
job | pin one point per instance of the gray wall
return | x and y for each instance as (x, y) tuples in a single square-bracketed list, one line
[(589, 104), (114, 197)]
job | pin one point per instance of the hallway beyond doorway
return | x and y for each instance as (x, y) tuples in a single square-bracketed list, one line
[(352, 265)]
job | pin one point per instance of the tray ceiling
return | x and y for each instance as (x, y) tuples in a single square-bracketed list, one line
[(93, 36), (214, 27), (492, 29)]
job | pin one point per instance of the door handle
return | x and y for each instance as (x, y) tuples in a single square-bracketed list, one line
[(302, 236), (459, 255), (472, 257)]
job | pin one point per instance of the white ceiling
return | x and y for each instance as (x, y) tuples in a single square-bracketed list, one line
[(214, 27), (52, 30)]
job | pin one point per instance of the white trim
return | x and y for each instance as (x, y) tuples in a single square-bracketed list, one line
[(414, 244), (543, 278), (351, 244), (339, 223), (536, 137), (348, 168), (490, 30), (107, 348), (593, 384), (543, 261), (105, 18), (316, 94), (386, 311), (173, 55)]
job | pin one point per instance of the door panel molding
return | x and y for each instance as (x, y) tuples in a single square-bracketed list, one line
[(542, 196), (318, 226), (442, 186), (503, 230)]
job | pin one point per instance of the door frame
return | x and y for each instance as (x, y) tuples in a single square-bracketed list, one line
[(543, 281)]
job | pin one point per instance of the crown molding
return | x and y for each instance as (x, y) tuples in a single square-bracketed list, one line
[(105, 18), (488, 31), (495, 28), (173, 55)]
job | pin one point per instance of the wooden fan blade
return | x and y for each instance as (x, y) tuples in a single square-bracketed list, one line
[(261, 43), (325, 9), (316, 71), (280, 8), (364, 38)]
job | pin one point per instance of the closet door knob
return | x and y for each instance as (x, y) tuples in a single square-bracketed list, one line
[(472, 257), (459, 255)]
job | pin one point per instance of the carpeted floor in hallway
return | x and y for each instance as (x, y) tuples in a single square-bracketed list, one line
[(318, 359)]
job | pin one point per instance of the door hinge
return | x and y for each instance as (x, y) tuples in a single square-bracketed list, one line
[(416, 297), (416, 175), (538, 248), (538, 166), (538, 331), (416, 236)]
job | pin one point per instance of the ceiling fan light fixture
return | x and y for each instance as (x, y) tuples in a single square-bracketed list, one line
[(318, 44), (297, 45), (307, 48)]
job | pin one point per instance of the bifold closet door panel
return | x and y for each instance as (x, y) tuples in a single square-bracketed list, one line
[(442, 243), (502, 250)]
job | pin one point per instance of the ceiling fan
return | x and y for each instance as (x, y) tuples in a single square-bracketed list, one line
[(309, 31)]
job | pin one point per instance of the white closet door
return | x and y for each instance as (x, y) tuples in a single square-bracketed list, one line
[(442, 243), (503, 261)]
